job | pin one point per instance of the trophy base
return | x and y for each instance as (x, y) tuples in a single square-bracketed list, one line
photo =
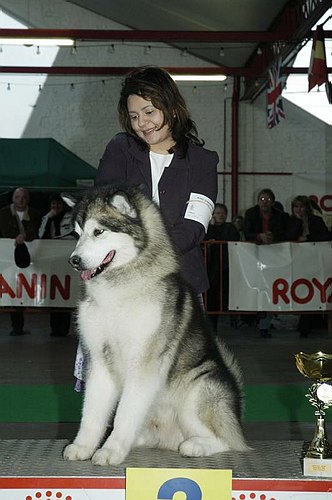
[(317, 467), (320, 455)]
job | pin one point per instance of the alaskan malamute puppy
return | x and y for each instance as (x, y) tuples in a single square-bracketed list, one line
[(155, 371)]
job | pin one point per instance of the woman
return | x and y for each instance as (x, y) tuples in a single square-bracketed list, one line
[(57, 222), (304, 225), (160, 151)]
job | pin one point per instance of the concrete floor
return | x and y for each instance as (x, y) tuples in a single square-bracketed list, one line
[(39, 358)]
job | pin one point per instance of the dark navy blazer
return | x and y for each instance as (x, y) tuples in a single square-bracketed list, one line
[(125, 162)]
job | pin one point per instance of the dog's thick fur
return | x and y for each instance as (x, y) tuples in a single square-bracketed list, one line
[(155, 371)]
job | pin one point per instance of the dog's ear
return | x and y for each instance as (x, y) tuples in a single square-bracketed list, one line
[(121, 202), (69, 199)]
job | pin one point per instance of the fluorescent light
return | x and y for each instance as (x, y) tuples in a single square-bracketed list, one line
[(199, 78), (39, 42)]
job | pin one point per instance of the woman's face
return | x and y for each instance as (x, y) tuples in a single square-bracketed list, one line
[(299, 210), (147, 123)]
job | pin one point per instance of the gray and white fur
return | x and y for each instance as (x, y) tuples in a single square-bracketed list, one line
[(156, 373)]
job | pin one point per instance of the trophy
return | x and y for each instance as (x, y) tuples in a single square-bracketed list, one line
[(318, 367)]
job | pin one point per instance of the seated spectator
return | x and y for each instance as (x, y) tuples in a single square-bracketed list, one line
[(20, 222), (219, 230), (57, 223), (238, 222), (304, 225), (265, 224)]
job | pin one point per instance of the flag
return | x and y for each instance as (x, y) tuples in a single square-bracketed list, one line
[(328, 90), (275, 108), (317, 70)]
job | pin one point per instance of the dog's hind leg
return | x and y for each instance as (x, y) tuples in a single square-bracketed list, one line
[(101, 396), (200, 441), (209, 427)]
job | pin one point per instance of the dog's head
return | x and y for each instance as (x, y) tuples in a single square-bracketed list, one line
[(109, 231)]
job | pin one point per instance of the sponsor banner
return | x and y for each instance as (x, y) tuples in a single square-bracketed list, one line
[(63, 494), (114, 489), (280, 277), (49, 281)]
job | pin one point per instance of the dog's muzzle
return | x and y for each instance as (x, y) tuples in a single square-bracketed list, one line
[(87, 274)]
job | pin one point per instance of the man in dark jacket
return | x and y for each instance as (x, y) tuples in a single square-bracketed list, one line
[(21, 223), (265, 224)]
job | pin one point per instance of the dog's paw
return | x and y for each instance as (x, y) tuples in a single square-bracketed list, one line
[(76, 452), (191, 448), (201, 447), (108, 456)]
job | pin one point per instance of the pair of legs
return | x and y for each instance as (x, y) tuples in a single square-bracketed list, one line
[(264, 323), (17, 321), (60, 323)]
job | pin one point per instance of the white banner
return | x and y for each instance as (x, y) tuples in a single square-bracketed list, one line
[(280, 277), (49, 281)]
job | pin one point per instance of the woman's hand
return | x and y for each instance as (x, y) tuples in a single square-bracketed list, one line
[(20, 238)]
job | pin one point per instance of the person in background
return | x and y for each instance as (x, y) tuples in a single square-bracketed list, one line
[(238, 222), (219, 230), (20, 222), (57, 223), (304, 225), (160, 152), (265, 224)]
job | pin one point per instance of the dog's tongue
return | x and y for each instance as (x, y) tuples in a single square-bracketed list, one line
[(89, 273)]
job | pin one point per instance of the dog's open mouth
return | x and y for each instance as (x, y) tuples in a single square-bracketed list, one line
[(91, 273)]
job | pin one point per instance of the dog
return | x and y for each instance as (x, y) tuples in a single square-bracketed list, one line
[(156, 373)]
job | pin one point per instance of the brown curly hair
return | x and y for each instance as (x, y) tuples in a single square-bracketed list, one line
[(156, 85)]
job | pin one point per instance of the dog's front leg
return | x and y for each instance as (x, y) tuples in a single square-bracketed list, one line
[(101, 395), (131, 412)]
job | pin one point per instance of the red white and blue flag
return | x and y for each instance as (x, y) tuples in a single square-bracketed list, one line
[(275, 108)]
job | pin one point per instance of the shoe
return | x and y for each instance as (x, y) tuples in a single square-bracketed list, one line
[(265, 334), (58, 334), (15, 332)]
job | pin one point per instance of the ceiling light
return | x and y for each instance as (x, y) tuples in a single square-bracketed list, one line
[(199, 78), (37, 41)]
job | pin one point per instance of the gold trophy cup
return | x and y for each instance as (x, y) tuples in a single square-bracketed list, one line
[(318, 367)]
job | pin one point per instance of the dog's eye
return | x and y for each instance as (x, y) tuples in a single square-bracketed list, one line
[(98, 232)]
